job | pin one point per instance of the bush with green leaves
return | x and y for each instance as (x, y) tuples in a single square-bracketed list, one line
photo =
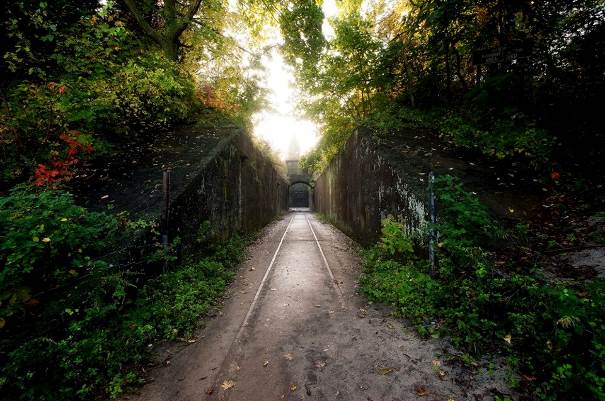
[(47, 242), (507, 136), (108, 84), (553, 334), (78, 309)]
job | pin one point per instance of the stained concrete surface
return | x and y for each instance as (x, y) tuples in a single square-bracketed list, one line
[(308, 336)]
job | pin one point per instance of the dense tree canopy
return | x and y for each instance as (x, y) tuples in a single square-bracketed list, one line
[(509, 75), (111, 72)]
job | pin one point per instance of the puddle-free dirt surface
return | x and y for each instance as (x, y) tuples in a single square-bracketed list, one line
[(294, 328)]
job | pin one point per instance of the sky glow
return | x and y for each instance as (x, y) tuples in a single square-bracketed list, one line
[(281, 123)]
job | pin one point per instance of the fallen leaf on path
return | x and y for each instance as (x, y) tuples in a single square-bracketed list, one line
[(252, 269), (293, 387), (320, 364), (422, 391), (265, 364), (361, 313), (209, 390), (436, 362), (289, 356), (384, 371), (227, 384)]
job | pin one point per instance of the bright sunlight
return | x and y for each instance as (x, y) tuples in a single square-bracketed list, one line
[(281, 124)]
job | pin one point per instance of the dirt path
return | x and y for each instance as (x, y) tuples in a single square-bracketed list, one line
[(294, 328)]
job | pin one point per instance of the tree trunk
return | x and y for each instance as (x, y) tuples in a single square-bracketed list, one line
[(170, 46), (459, 70), (175, 24), (448, 69)]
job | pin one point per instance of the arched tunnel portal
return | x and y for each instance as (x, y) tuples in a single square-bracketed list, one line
[(300, 194)]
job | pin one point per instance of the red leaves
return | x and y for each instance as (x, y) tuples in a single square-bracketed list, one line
[(62, 169), (555, 175), (58, 87), (44, 175)]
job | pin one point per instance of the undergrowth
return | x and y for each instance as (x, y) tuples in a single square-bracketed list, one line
[(506, 135), (552, 334), (80, 307)]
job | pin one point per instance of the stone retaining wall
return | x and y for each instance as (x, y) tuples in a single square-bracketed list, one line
[(364, 184), (237, 189)]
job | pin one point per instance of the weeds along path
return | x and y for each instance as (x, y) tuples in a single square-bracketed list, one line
[(293, 327)]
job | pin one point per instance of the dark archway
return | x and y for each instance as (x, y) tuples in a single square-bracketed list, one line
[(300, 194)]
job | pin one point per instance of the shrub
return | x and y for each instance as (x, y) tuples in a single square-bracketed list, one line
[(503, 137), (47, 241), (555, 333), (108, 85), (77, 314)]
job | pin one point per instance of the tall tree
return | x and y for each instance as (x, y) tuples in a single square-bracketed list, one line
[(175, 19)]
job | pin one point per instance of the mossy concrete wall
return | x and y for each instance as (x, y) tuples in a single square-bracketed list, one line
[(366, 183), (236, 189)]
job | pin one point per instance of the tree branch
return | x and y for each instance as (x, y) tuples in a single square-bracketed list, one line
[(170, 7), (193, 10), (143, 24)]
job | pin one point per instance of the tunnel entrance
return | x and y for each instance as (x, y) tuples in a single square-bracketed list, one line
[(299, 195)]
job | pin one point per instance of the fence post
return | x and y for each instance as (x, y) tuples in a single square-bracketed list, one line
[(166, 211), (432, 222)]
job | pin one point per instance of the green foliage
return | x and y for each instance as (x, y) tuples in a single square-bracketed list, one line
[(540, 89), (172, 303), (463, 220), (109, 89), (300, 24), (394, 242), (30, 32), (70, 297), (506, 137), (47, 242), (556, 333)]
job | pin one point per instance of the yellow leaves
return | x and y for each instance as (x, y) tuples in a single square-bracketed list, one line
[(2, 323), (567, 321), (46, 239), (384, 371), (508, 339), (20, 294), (227, 384), (421, 391), (293, 387)]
